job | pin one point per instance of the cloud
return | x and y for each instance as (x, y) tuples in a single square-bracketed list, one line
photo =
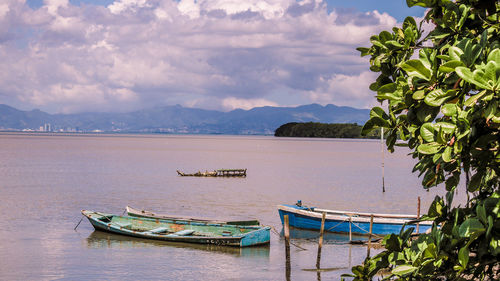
[(347, 90), (234, 103), (218, 54)]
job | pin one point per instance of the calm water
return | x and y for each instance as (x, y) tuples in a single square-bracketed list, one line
[(46, 180)]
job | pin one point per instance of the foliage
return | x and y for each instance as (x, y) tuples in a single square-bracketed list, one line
[(321, 130), (442, 94)]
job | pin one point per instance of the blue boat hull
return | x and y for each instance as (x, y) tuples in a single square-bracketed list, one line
[(343, 225)]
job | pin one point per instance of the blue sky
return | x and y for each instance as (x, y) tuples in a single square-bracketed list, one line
[(65, 56), (396, 8)]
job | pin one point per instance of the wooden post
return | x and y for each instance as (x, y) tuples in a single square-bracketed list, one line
[(287, 228), (382, 146), (350, 229), (287, 248), (370, 237), (418, 214), (320, 242)]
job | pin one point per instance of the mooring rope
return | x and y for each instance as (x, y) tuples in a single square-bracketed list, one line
[(378, 236), (279, 235), (78, 223), (337, 224)]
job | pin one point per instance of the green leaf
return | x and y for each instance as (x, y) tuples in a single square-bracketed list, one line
[(491, 110), (451, 183), (473, 100), (494, 55), (404, 270), (463, 256), (418, 95), (469, 227), (494, 246), (437, 97), (449, 109), (478, 77), (392, 243), (429, 148), (491, 73), (426, 113), (385, 36), (409, 22), (455, 53), (427, 132), (393, 45), (450, 18), (388, 88), (447, 127), (416, 68), (436, 208), (447, 154), (450, 66), (378, 119), (481, 213), (363, 51), (378, 112), (421, 3), (475, 181)]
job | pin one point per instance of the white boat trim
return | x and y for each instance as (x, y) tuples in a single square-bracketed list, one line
[(354, 216)]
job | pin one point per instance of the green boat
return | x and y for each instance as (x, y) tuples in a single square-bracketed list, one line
[(179, 230)]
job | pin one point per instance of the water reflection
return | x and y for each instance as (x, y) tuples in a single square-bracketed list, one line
[(100, 239), (311, 236)]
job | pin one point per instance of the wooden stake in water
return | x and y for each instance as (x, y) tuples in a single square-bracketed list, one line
[(370, 237), (382, 146), (320, 242), (350, 229), (287, 248), (418, 214)]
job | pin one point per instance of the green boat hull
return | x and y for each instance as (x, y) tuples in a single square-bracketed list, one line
[(180, 231)]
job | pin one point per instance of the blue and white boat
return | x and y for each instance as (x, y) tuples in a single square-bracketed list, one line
[(349, 222)]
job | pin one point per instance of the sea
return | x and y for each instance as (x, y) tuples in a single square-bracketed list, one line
[(47, 179)]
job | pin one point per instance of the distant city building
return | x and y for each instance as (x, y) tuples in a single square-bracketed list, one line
[(46, 128)]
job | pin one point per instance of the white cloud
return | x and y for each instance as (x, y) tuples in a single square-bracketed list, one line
[(4, 9), (218, 54), (234, 103), (347, 90), (122, 5)]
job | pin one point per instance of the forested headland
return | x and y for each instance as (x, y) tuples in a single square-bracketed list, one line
[(322, 130)]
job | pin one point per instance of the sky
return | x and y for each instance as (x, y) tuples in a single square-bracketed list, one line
[(70, 56)]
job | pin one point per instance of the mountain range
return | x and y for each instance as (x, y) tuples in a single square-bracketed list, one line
[(178, 119)]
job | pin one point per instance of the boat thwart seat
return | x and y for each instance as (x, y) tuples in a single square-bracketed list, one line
[(185, 232)]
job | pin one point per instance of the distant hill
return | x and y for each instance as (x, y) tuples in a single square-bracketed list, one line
[(178, 119)]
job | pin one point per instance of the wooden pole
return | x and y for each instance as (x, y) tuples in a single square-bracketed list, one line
[(320, 242), (382, 147), (350, 229), (287, 248), (418, 214), (287, 228), (370, 237)]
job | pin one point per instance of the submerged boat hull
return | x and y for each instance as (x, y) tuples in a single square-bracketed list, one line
[(168, 230), (347, 222), (216, 173)]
